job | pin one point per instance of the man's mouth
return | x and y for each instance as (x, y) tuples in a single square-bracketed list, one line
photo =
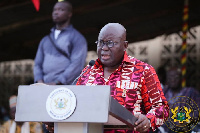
[(55, 17), (105, 56)]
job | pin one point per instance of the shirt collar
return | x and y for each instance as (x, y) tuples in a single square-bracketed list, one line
[(126, 58), (69, 27)]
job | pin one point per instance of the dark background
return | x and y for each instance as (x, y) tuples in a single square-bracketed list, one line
[(22, 27)]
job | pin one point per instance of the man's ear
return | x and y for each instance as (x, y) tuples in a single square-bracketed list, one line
[(125, 45)]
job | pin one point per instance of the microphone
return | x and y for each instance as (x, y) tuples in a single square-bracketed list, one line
[(91, 63)]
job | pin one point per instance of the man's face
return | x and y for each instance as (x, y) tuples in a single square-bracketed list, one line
[(61, 12), (111, 57), (174, 79)]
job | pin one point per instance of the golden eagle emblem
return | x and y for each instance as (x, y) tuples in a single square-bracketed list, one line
[(182, 115)]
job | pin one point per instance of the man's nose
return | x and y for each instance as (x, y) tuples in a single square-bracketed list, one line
[(105, 47), (55, 12)]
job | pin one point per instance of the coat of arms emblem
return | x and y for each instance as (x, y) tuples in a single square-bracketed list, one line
[(182, 115), (61, 103)]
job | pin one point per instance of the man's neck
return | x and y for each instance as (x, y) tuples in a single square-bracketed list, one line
[(176, 90), (109, 70), (62, 25)]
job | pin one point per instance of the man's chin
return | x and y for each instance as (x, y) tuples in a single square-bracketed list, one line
[(106, 62), (175, 88), (55, 21)]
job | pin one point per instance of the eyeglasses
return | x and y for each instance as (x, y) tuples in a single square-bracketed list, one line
[(101, 43)]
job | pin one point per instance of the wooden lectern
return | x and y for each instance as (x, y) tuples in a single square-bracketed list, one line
[(95, 109)]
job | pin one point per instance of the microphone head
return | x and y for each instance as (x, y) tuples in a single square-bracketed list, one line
[(92, 62)]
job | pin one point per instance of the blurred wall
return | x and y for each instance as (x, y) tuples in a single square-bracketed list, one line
[(13, 74)]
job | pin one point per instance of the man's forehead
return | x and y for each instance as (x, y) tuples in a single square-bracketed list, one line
[(107, 37), (64, 4), (111, 32), (113, 28)]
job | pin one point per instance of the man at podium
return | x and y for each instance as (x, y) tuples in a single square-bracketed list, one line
[(134, 84)]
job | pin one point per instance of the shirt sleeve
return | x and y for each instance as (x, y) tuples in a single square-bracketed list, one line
[(38, 72), (156, 104), (77, 60)]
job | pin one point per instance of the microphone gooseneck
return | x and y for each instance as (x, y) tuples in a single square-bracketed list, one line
[(91, 63)]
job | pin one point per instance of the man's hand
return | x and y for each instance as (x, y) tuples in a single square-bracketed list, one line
[(51, 83), (55, 83), (40, 81), (142, 124), (49, 126)]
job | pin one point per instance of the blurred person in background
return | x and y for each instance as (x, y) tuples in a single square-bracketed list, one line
[(161, 72), (4, 115), (61, 55), (173, 90), (11, 126)]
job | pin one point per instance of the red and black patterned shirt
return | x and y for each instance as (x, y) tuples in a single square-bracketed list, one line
[(134, 85)]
